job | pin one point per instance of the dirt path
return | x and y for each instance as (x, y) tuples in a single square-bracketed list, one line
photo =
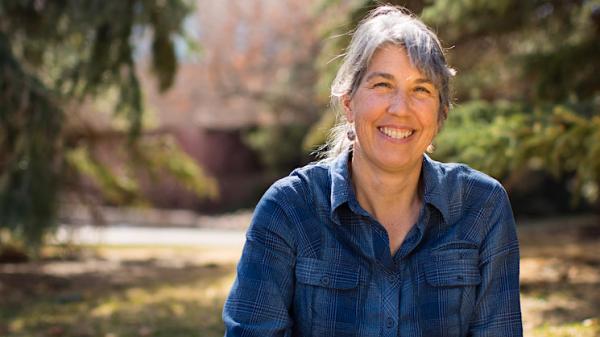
[(144, 235)]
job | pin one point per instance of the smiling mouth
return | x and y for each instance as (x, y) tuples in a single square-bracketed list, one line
[(396, 133)]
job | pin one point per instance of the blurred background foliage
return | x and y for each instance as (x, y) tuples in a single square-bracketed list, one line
[(527, 107), (527, 85), (55, 57), (279, 147)]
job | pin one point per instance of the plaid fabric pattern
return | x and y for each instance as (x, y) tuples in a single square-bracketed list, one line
[(316, 264)]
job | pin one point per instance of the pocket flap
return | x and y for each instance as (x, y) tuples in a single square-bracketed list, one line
[(325, 274), (453, 268)]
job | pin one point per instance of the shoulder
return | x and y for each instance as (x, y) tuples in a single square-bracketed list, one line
[(460, 175), (290, 204), (463, 176), (464, 188), (300, 186)]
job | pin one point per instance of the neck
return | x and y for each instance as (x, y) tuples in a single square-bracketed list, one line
[(380, 191)]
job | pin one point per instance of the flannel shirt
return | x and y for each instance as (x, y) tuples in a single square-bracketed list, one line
[(315, 263)]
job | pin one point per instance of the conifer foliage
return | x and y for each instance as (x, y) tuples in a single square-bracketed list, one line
[(55, 55)]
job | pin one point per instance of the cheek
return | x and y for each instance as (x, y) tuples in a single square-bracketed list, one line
[(429, 114), (368, 108)]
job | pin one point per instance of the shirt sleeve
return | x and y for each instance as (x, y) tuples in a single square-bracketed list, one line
[(260, 299), (498, 310)]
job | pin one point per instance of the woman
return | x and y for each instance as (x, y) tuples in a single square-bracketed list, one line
[(378, 239)]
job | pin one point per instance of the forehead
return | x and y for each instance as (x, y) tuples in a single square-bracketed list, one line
[(393, 61)]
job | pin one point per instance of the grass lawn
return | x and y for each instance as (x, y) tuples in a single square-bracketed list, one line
[(112, 291), (118, 291)]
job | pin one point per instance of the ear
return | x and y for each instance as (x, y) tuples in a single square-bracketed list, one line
[(438, 127), (347, 105), (445, 113)]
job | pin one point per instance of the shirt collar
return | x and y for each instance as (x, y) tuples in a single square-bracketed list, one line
[(435, 191), (341, 184)]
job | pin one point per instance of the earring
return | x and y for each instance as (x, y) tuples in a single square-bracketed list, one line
[(351, 134), (430, 148)]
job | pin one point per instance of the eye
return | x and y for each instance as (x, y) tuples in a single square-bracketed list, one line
[(421, 89), (382, 85)]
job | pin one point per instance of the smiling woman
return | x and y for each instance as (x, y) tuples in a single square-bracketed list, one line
[(378, 239)]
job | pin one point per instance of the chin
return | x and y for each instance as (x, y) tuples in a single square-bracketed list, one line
[(397, 164)]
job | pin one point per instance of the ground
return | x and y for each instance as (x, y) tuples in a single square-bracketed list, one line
[(560, 277), (130, 290)]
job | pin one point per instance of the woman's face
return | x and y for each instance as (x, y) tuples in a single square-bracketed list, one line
[(394, 111)]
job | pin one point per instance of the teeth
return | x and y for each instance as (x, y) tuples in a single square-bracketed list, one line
[(395, 133)]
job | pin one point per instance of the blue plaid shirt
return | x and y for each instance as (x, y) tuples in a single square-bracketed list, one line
[(315, 263)]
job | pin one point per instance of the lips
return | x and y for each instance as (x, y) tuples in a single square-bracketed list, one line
[(396, 133)]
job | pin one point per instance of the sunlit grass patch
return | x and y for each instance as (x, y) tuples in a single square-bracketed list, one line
[(586, 328), (181, 302)]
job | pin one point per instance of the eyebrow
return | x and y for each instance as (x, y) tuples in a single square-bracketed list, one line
[(387, 76), (424, 80), (390, 77)]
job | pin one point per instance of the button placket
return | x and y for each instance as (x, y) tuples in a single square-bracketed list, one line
[(392, 291), (392, 277), (390, 322)]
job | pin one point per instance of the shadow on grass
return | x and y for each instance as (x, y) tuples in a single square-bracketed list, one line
[(573, 302), (560, 277), (132, 298)]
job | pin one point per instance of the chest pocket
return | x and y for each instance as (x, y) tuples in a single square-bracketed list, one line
[(327, 296), (328, 275), (453, 267), (449, 294)]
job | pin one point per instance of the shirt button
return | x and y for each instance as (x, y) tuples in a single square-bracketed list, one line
[(460, 277), (389, 322), (325, 280)]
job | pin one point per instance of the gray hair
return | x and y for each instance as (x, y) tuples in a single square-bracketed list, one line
[(387, 25)]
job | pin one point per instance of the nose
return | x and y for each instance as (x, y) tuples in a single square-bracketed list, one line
[(398, 104)]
